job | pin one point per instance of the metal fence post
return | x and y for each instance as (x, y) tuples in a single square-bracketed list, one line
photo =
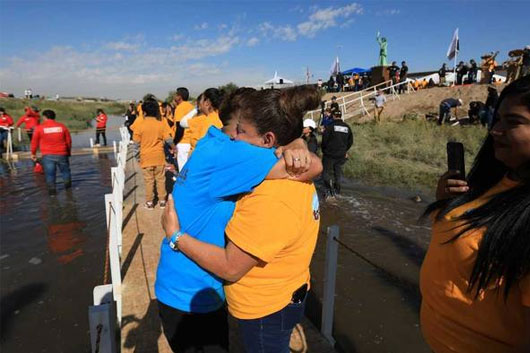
[(330, 272)]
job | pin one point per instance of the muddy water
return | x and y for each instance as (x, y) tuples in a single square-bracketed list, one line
[(52, 252), (377, 298)]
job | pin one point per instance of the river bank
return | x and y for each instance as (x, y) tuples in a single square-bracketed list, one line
[(75, 115), (410, 154)]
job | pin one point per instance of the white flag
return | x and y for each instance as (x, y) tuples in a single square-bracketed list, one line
[(454, 47), (335, 67)]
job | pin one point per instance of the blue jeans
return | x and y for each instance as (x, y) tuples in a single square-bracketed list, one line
[(51, 162), (272, 333), (3, 137)]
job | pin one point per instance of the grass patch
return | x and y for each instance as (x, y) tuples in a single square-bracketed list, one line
[(409, 154), (75, 115)]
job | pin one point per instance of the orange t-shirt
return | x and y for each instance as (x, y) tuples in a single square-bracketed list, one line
[(199, 125), (452, 320), (151, 134), (180, 111), (278, 223)]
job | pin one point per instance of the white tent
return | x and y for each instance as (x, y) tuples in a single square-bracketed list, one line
[(278, 81)]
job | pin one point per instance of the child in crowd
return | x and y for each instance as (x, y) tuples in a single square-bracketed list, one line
[(151, 135)]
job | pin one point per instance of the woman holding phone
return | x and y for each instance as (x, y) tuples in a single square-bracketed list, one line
[(475, 279)]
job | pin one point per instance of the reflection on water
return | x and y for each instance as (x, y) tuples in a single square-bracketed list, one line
[(51, 254)]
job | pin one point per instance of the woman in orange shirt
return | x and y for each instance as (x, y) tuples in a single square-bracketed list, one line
[(475, 279), (208, 103), (272, 234)]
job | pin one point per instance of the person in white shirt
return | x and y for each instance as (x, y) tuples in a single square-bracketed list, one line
[(379, 102)]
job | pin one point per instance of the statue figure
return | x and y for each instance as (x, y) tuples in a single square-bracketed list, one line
[(382, 50)]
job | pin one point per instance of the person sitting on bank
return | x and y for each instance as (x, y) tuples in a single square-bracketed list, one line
[(151, 135), (55, 144), (336, 141), (445, 108)]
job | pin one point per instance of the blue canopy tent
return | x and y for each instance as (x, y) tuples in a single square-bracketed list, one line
[(356, 70)]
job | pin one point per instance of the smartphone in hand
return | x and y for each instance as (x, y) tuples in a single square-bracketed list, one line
[(455, 159)]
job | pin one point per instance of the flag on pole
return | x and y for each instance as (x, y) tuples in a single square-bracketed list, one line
[(454, 47), (335, 67)]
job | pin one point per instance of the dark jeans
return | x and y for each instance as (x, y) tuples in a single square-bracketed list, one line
[(3, 137), (51, 162), (101, 131), (403, 86), (332, 174), (444, 113), (272, 333), (194, 332)]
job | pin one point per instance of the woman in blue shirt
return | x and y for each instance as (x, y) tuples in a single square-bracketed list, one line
[(191, 300)]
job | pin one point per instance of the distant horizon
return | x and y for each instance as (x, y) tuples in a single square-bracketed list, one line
[(106, 49)]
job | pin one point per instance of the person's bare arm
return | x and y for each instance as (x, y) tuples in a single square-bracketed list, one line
[(279, 171), (230, 263), (296, 162)]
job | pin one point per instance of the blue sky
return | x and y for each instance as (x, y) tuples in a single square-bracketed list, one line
[(123, 49)]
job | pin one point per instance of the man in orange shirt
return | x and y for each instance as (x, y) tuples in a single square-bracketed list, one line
[(151, 135)]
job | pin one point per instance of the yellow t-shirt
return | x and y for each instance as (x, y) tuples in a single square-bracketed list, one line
[(138, 121), (180, 111), (151, 135), (451, 319), (278, 223), (198, 127)]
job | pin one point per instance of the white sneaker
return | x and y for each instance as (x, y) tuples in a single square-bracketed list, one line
[(96, 145)]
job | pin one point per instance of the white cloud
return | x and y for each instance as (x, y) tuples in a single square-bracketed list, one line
[(126, 74), (285, 32), (177, 37), (201, 26), (322, 19), (124, 46), (318, 20), (388, 12), (222, 26), (252, 42)]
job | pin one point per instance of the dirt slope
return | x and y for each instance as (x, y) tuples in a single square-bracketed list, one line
[(427, 101)]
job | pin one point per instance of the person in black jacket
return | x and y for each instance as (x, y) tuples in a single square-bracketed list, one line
[(336, 141), (441, 73), (393, 72), (334, 106), (403, 76)]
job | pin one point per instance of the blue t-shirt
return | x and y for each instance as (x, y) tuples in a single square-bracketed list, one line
[(204, 196)]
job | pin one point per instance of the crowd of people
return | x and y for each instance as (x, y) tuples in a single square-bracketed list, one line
[(232, 261), (243, 159)]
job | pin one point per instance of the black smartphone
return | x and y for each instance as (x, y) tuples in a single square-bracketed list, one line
[(455, 159)]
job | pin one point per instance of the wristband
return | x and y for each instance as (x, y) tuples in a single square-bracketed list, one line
[(174, 241)]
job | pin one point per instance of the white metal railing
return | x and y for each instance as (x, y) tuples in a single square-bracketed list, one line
[(107, 308), (357, 104)]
